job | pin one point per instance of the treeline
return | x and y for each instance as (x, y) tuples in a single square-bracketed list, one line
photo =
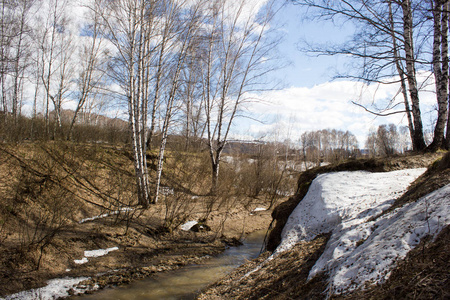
[(388, 140), (328, 145)]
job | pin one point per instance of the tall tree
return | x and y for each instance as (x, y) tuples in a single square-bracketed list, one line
[(440, 12), (184, 22), (129, 27), (237, 48), (383, 44), (91, 56)]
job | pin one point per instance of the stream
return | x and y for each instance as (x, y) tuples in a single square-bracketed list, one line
[(186, 283)]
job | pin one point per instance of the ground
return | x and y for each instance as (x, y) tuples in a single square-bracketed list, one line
[(58, 202)]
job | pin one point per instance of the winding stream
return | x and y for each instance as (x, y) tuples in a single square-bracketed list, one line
[(186, 282)]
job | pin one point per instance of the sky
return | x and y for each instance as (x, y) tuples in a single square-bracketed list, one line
[(308, 98)]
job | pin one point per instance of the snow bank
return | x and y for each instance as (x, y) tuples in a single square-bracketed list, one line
[(346, 198), (362, 251), (56, 288), (390, 239)]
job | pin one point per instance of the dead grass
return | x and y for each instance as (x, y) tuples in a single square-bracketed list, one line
[(46, 189)]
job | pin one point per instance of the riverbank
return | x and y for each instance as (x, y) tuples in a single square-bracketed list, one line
[(69, 212), (137, 255), (422, 273)]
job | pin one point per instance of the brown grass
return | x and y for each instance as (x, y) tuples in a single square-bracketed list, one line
[(47, 188)]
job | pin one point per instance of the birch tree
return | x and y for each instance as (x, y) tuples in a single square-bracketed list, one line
[(384, 46), (183, 23), (440, 11), (91, 55), (129, 27), (234, 64)]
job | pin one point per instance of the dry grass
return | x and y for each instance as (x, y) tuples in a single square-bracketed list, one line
[(47, 188)]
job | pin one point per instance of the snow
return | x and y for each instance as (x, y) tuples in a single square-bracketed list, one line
[(259, 209), (188, 225), (123, 209), (99, 252), (94, 253), (55, 288), (81, 261), (362, 250)]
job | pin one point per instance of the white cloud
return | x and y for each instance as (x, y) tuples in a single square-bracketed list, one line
[(329, 105)]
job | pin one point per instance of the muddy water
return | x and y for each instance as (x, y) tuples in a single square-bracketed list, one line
[(185, 283)]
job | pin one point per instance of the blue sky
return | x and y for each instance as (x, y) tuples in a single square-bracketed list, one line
[(308, 98)]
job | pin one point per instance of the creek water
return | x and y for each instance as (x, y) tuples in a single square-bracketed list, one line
[(186, 282)]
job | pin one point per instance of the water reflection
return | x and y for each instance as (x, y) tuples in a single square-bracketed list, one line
[(185, 283)]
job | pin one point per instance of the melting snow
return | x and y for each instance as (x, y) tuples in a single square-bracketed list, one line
[(259, 209), (94, 253), (99, 252), (188, 225), (56, 288), (81, 261), (123, 209), (360, 250)]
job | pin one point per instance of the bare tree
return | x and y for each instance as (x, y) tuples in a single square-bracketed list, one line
[(237, 49), (91, 56), (129, 27), (184, 24), (383, 44), (440, 13), (57, 48)]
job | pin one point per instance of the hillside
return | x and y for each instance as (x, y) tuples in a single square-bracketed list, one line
[(342, 240), (70, 211)]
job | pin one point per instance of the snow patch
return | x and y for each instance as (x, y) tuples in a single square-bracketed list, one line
[(99, 252), (94, 253), (81, 261), (188, 225), (123, 209), (259, 209), (55, 288)]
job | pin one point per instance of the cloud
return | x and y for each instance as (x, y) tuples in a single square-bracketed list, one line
[(328, 106)]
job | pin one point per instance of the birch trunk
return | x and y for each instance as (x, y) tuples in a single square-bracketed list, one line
[(418, 139), (401, 73)]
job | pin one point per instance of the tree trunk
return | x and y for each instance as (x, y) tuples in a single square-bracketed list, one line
[(401, 74), (418, 139), (440, 68)]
